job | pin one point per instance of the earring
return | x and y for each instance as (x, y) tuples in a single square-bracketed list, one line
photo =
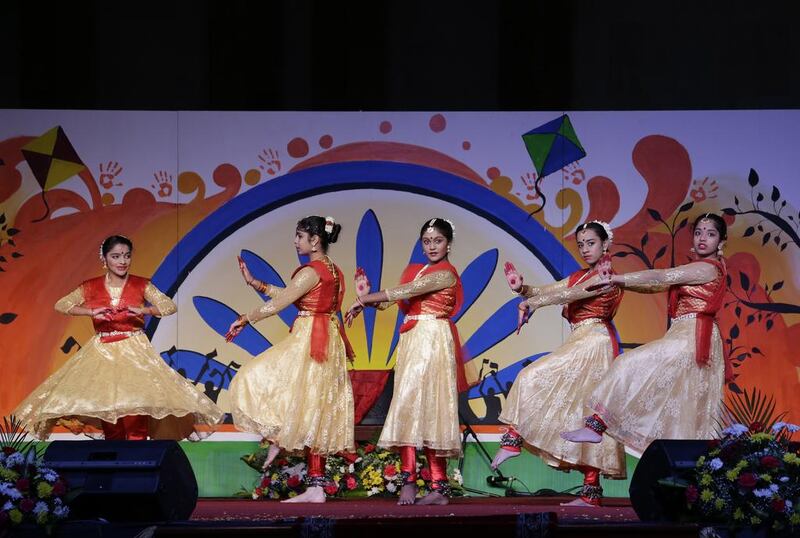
[(692, 250), (448, 248), (719, 249), (314, 248)]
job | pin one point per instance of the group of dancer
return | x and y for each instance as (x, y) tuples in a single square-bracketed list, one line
[(297, 394)]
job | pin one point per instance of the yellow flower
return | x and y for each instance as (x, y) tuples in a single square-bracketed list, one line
[(732, 475), (738, 514), (420, 482), (15, 516), (765, 477), (794, 519), (8, 474), (761, 437), (755, 520), (701, 460), (719, 504), (705, 479), (741, 465), (41, 519), (792, 458), (44, 490), (706, 495)]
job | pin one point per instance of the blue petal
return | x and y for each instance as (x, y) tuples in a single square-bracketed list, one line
[(219, 317), (369, 256), (199, 368), (476, 277), (417, 256), (264, 272), (494, 330), (500, 382)]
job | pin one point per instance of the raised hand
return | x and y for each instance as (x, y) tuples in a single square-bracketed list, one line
[(362, 283), (513, 278), (248, 278), (523, 314), (606, 279)]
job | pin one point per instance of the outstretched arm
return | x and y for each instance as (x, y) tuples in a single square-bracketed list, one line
[(656, 280), (563, 294), (301, 284)]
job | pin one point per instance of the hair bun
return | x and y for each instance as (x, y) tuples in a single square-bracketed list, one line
[(333, 235)]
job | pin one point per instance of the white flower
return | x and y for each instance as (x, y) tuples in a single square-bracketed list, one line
[(49, 475), (10, 491), (784, 479), (255, 496), (61, 511), (359, 459), (457, 476), (8, 506), (788, 506), (715, 464), (351, 468), (764, 492), (791, 428), (736, 430), (391, 487), (773, 488), (40, 507), (342, 469), (14, 459)]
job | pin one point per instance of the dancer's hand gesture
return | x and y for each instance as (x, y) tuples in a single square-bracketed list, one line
[(523, 314), (353, 312), (513, 278), (248, 278), (235, 328), (102, 313), (362, 282)]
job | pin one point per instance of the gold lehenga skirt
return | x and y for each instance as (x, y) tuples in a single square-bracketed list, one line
[(424, 408), (294, 401), (658, 391), (548, 398), (104, 382)]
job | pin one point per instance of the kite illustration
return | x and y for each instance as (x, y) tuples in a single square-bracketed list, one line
[(552, 146)]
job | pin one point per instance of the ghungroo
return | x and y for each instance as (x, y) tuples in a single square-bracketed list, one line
[(591, 494), (404, 477), (511, 440), (596, 424), (316, 481), (442, 487)]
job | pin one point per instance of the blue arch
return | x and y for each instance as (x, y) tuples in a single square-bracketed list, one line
[(262, 199)]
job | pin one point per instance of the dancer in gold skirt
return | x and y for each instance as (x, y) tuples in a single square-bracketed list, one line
[(297, 394), (429, 372), (551, 391), (117, 382), (671, 388)]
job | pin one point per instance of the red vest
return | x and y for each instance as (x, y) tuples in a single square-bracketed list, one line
[(96, 295), (603, 306)]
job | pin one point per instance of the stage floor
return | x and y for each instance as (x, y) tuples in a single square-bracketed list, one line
[(614, 510)]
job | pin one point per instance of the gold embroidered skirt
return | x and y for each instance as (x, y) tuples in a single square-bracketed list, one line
[(424, 408), (103, 382), (548, 398), (658, 391), (293, 400)]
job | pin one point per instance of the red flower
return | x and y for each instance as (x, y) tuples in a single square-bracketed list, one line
[(691, 494), (778, 505), (756, 427), (266, 481), (331, 489), (770, 462), (59, 488), (26, 505), (293, 481), (389, 471), (425, 474), (748, 480), (282, 462), (23, 484), (7, 450), (369, 447), (349, 457), (259, 492), (350, 482)]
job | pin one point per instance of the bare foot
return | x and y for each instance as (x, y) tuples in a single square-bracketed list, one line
[(583, 435), (434, 497), (501, 456), (580, 502), (272, 453), (408, 493), (314, 494)]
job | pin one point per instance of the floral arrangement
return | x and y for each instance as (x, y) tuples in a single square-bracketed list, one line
[(751, 476), (29, 491), (367, 472)]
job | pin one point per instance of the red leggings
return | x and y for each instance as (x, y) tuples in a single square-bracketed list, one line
[(316, 465), (437, 464), (127, 428)]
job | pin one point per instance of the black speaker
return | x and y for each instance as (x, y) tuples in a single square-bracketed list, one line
[(126, 480), (664, 458)]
